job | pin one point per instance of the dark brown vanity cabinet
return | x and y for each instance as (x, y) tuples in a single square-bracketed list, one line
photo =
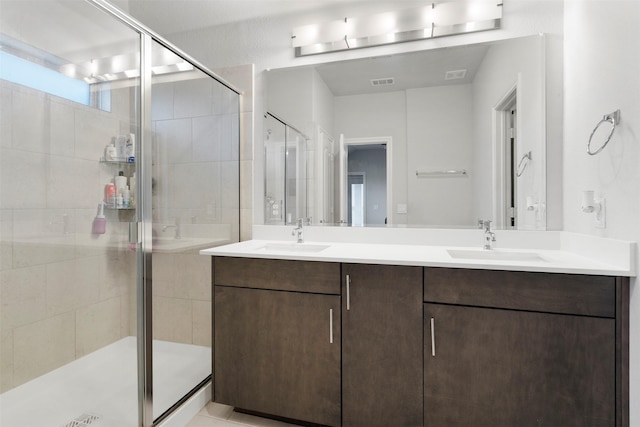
[(381, 346), (523, 349), (277, 340)]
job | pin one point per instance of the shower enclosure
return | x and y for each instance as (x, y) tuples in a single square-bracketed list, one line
[(285, 165), (119, 161)]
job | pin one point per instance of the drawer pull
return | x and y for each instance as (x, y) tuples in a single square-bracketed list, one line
[(331, 326), (433, 338), (348, 293)]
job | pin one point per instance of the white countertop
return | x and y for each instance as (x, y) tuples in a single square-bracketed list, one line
[(561, 259)]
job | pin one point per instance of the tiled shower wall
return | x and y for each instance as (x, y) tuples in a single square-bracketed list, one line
[(64, 292), (199, 185)]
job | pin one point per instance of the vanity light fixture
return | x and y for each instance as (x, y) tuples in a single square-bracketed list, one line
[(437, 19)]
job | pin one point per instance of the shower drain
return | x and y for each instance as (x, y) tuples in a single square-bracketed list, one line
[(82, 421)]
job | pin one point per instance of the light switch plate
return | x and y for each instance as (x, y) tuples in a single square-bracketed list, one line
[(401, 208)]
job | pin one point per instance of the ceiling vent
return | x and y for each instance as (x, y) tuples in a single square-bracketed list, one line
[(455, 74), (382, 82)]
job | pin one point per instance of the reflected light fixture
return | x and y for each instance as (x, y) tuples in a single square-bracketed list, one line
[(436, 19)]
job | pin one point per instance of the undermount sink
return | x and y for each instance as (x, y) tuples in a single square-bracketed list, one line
[(292, 247), (494, 254)]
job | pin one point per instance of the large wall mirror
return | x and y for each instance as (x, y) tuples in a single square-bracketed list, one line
[(438, 138)]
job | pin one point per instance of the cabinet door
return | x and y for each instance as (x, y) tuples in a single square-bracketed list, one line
[(382, 346), (278, 353), (495, 367)]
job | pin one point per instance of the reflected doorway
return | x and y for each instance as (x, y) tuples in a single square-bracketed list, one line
[(365, 181)]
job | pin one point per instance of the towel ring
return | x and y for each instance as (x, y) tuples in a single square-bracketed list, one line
[(614, 119), (525, 158)]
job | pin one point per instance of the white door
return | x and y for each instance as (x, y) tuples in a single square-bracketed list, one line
[(344, 162)]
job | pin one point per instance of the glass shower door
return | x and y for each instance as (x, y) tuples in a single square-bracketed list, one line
[(69, 91), (195, 205)]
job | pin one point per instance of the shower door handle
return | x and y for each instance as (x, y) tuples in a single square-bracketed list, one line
[(134, 232)]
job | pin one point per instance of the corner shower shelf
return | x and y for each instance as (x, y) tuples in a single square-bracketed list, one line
[(116, 162)]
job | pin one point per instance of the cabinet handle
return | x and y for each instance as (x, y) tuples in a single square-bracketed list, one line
[(348, 293), (433, 338), (331, 326)]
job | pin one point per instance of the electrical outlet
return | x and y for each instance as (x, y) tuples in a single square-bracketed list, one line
[(601, 215), (401, 208)]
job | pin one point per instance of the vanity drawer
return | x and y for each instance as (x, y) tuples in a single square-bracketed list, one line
[(277, 274), (545, 292)]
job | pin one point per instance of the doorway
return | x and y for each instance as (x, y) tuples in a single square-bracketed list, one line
[(365, 170), (505, 148)]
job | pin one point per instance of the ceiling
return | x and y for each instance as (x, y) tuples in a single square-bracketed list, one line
[(173, 16), (408, 70)]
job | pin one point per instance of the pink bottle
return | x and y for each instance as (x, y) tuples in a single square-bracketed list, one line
[(110, 195), (100, 222)]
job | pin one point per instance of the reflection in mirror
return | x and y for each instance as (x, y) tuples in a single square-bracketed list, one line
[(465, 124), (285, 151)]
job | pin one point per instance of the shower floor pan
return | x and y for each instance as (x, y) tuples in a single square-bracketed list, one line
[(100, 389)]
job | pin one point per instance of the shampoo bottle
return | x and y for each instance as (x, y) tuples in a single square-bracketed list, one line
[(132, 190), (126, 197), (100, 222), (130, 148), (121, 182)]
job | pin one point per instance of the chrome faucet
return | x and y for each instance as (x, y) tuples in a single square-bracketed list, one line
[(299, 230), (489, 236), (178, 234)]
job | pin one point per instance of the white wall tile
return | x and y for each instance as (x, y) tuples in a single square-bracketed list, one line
[(62, 136), (30, 117), (23, 179), (120, 273), (93, 132), (195, 184), (206, 139), (60, 287), (73, 183), (173, 141), (89, 273), (6, 239), (230, 182), (6, 360), (202, 323), (192, 98), (172, 320), (229, 137), (43, 346), (6, 124), (22, 296), (246, 136), (162, 101), (193, 276), (97, 325)]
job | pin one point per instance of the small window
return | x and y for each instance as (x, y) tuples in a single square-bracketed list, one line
[(38, 77)]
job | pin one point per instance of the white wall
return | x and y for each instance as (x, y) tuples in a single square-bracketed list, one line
[(505, 65), (296, 111), (602, 74), (440, 137), (378, 115)]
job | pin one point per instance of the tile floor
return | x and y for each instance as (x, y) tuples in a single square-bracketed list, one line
[(217, 415)]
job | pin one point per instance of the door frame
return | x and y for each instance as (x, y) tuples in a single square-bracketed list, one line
[(502, 169), (344, 170)]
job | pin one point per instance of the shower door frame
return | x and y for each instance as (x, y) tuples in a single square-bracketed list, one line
[(140, 231)]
